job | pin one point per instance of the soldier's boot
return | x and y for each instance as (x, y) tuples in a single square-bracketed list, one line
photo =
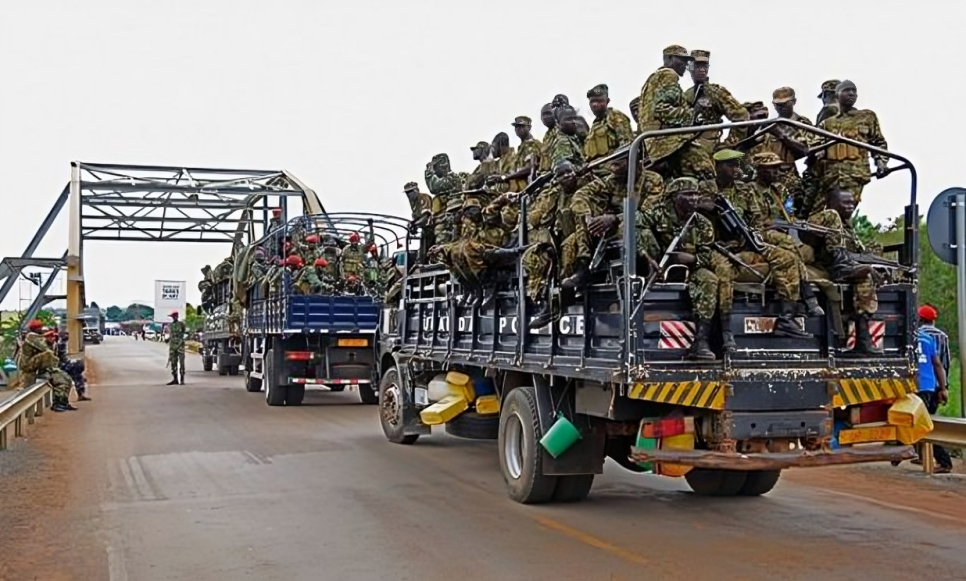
[(174, 379), (488, 295), (182, 377), (502, 256), (580, 276), (58, 405), (700, 349), (727, 337), (66, 403), (542, 315), (811, 301), (83, 397), (844, 269), (786, 325), (863, 337)]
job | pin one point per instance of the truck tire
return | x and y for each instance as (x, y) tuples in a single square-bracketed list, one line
[(715, 482), (391, 402), (207, 363), (274, 393), (473, 426), (233, 370), (222, 370), (252, 384), (521, 458), (368, 394), (573, 488), (294, 394), (758, 482)]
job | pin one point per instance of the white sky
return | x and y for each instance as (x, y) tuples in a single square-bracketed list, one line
[(354, 98)]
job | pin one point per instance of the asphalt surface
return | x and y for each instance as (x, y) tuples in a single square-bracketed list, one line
[(206, 482)]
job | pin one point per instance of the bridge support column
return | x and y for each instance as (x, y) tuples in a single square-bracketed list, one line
[(75, 267)]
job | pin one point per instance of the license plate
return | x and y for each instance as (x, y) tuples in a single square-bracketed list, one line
[(861, 435), (764, 325), (353, 343)]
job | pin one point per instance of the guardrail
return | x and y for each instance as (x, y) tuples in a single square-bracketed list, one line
[(949, 432), (27, 404)]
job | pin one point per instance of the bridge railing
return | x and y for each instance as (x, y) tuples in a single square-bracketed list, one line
[(21, 408), (950, 432)]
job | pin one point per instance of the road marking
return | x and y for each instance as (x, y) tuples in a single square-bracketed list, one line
[(116, 569), (919, 511), (591, 540)]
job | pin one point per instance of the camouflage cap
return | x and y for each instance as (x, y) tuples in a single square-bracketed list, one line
[(480, 145), (411, 187), (677, 50), (727, 155), (782, 95), (440, 157), (752, 105), (846, 84), (522, 120), (682, 185), (600, 90), (701, 56), (829, 86), (766, 158), (471, 199)]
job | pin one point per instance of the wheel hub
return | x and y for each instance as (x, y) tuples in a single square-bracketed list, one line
[(391, 406), (513, 446)]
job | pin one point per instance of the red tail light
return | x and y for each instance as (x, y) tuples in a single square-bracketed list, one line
[(299, 355), (667, 427)]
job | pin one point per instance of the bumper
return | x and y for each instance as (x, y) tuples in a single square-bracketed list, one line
[(774, 460)]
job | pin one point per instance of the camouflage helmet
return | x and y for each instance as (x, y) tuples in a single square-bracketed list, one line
[(683, 186), (677, 50), (828, 87), (766, 159)]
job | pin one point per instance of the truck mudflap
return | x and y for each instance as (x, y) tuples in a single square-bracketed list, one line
[(774, 460)]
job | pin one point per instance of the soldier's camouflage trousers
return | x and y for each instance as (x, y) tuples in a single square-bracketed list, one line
[(785, 241), (692, 161), (789, 177), (851, 176), (537, 263), (864, 298), (176, 360), (782, 265), (60, 382), (703, 290), (584, 207), (444, 225)]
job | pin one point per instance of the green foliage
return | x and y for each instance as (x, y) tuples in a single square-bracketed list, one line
[(194, 318), (136, 312), (865, 230), (114, 314), (10, 329)]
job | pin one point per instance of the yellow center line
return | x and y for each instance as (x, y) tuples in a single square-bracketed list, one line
[(590, 540)]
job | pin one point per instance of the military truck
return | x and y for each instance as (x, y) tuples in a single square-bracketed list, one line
[(221, 345), (610, 377), (326, 337)]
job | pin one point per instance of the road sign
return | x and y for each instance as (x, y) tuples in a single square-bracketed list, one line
[(941, 224)]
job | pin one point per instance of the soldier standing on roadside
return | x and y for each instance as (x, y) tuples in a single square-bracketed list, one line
[(176, 334)]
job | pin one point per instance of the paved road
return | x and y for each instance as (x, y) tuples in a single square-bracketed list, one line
[(205, 482)]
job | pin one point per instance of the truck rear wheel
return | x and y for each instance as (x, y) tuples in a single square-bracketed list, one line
[(233, 370), (274, 393), (473, 426), (573, 488), (758, 482), (252, 384), (207, 363), (222, 370), (715, 482), (391, 403), (521, 460), (294, 394)]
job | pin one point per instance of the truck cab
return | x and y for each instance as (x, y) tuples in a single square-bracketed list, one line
[(610, 377)]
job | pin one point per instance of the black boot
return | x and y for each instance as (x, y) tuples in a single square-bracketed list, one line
[(863, 337), (846, 270), (182, 378), (579, 279), (174, 379), (811, 301), (700, 349), (542, 315), (727, 337), (58, 406), (501, 256), (786, 325)]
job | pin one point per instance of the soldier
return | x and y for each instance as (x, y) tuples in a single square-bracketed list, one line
[(308, 281), (445, 185), (331, 273), (276, 220), (549, 120), (635, 108), (37, 360), (566, 147), (846, 166), (832, 254), (830, 106), (783, 261), (526, 161), (352, 257), (714, 101), (486, 168), (176, 338), (658, 222), (611, 129), (420, 203), (504, 156), (562, 100), (663, 107)]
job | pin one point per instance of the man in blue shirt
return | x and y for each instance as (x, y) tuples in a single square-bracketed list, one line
[(932, 390), (927, 322)]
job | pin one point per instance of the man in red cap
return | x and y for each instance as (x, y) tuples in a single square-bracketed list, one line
[(37, 360), (932, 378), (927, 323), (177, 332)]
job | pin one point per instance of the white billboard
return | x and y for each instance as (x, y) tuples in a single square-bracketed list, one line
[(169, 295)]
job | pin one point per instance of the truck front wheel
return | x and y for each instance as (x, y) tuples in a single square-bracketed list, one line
[(391, 402), (521, 459)]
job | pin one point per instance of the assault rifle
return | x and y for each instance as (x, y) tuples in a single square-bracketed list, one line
[(734, 225), (737, 260), (667, 254)]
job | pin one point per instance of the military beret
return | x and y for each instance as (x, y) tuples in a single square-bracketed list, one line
[(480, 145), (783, 95), (411, 187), (677, 50), (682, 185), (727, 155), (829, 86), (560, 99), (600, 90), (766, 158), (701, 56), (522, 120), (846, 84)]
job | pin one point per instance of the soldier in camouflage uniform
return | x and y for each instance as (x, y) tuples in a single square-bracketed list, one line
[(830, 104), (352, 257), (831, 253), (177, 333), (611, 129), (420, 203), (658, 222), (445, 185), (713, 101), (36, 360), (487, 167), (663, 107), (814, 165), (275, 221), (583, 128), (566, 146), (846, 167), (549, 120), (522, 166), (331, 274), (635, 108), (783, 262), (308, 280), (505, 158)]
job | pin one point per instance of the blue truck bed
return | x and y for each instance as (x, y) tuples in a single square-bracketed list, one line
[(285, 314)]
